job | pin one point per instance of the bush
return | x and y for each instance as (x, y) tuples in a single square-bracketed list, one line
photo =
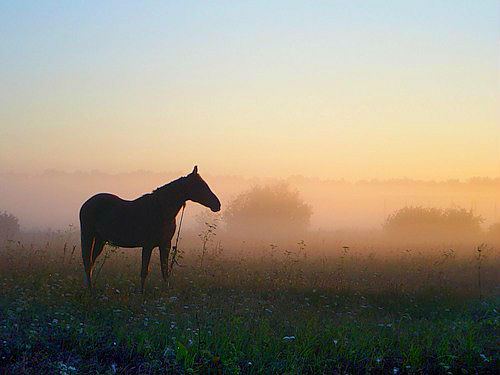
[(268, 211), (421, 222), (9, 226)]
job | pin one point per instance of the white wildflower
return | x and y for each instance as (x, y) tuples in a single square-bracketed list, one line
[(65, 369)]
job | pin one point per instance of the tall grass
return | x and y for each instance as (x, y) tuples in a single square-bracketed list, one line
[(285, 308)]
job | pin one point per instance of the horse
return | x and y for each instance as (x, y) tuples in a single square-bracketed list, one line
[(147, 222)]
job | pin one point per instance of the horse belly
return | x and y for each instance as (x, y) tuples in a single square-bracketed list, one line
[(119, 231)]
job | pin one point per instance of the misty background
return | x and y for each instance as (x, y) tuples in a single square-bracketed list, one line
[(53, 199)]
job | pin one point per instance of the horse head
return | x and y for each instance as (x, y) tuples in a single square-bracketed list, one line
[(198, 191)]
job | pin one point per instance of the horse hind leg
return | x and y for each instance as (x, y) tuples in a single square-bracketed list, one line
[(98, 247), (88, 243), (90, 251)]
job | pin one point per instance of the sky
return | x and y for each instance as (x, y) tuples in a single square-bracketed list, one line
[(332, 89)]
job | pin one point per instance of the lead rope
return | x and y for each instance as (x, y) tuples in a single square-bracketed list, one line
[(174, 248)]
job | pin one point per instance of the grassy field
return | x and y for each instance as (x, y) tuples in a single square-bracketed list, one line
[(281, 312)]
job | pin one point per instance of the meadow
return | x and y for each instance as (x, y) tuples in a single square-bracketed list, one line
[(311, 307)]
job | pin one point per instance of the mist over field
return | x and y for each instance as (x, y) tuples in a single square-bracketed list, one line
[(52, 199)]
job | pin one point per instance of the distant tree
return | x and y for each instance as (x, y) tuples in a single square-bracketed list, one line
[(433, 222), (9, 225), (268, 210)]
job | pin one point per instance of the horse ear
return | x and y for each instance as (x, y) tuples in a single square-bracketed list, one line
[(195, 169)]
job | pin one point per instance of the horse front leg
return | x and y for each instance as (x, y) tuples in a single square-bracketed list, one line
[(146, 257), (164, 254)]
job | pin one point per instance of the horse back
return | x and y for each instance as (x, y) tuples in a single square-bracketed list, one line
[(121, 222), (99, 204)]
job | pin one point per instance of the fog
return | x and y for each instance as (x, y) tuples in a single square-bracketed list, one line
[(52, 199)]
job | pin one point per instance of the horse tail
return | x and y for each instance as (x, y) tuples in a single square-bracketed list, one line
[(87, 243)]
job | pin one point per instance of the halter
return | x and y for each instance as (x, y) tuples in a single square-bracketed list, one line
[(174, 248)]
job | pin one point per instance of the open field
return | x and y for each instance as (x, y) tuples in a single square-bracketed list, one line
[(279, 311)]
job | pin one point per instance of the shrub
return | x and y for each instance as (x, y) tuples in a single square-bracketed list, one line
[(268, 210), (422, 222), (9, 226)]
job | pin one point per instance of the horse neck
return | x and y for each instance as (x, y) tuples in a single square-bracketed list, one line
[(170, 199)]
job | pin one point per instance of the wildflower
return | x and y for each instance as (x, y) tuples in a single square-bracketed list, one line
[(395, 370), (289, 338), (335, 342), (65, 369), (113, 368), (485, 359)]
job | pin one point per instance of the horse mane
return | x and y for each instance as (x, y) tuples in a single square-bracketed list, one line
[(170, 187)]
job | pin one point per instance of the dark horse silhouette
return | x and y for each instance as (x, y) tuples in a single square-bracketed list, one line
[(147, 222)]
